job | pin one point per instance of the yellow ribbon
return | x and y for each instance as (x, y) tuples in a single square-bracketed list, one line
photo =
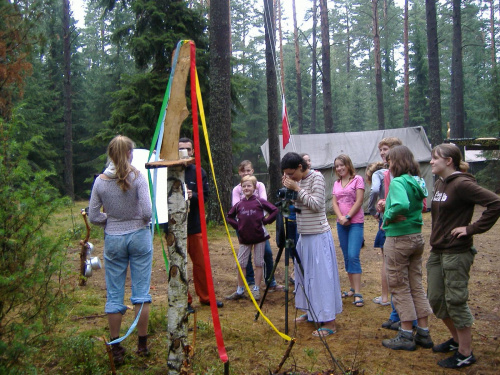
[(205, 133)]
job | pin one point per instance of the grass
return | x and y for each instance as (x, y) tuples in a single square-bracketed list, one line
[(76, 346)]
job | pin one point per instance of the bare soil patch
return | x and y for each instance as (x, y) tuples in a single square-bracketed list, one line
[(255, 348)]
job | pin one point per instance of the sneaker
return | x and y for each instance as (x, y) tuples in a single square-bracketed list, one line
[(235, 296), (423, 338), (391, 324), (457, 360), (276, 287), (256, 294), (403, 341), (190, 309), (395, 326), (388, 323), (445, 347)]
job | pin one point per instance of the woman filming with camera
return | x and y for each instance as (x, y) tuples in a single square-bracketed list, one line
[(318, 289)]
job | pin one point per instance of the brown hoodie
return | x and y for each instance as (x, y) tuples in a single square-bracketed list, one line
[(453, 206)]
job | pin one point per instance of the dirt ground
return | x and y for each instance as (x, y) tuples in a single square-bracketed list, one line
[(255, 348)]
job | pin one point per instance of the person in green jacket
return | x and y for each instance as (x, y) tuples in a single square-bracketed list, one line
[(403, 250)]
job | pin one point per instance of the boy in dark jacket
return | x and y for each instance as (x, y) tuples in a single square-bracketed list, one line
[(248, 217)]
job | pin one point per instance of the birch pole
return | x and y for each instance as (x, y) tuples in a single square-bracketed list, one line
[(178, 206), (177, 276)]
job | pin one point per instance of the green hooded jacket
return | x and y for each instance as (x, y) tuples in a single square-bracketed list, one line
[(405, 199)]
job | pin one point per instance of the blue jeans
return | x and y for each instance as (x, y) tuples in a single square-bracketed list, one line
[(395, 317), (135, 248), (351, 239), (269, 263)]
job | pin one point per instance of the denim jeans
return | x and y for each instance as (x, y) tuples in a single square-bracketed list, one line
[(269, 263), (135, 248), (351, 239)]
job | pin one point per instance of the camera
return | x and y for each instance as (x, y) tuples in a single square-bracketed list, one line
[(287, 194)]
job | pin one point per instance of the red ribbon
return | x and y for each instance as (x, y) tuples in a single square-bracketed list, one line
[(201, 203)]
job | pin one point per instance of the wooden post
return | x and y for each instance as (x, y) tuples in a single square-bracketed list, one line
[(178, 206)]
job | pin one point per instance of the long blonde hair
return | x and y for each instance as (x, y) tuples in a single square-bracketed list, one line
[(119, 150)]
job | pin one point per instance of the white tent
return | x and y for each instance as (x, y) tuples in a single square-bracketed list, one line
[(362, 148)]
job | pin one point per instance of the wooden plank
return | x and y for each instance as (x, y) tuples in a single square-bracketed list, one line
[(170, 163), (177, 110)]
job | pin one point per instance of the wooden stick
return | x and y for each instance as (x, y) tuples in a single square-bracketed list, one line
[(83, 251), (110, 355), (194, 331), (74, 318), (286, 355)]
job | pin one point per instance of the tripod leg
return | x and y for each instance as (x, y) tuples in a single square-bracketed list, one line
[(287, 260), (263, 298)]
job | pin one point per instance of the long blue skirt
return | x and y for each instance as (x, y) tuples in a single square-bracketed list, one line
[(320, 281)]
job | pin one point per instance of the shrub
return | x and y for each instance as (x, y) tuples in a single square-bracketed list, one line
[(31, 262)]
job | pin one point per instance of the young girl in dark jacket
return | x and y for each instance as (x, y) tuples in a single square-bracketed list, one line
[(248, 217)]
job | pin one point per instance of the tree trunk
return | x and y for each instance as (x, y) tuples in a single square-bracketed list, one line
[(177, 273), (348, 44), (378, 67), (272, 99), (282, 63), (314, 74), (457, 85), (68, 127), (220, 104), (436, 133), (406, 121), (492, 34), (494, 72), (297, 70), (325, 60)]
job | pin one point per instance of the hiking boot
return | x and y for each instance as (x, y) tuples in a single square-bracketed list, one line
[(142, 347), (457, 360), (256, 294), (235, 296), (445, 347), (423, 338), (118, 352), (403, 341)]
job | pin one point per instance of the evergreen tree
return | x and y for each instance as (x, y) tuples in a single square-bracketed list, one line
[(419, 105), (158, 26)]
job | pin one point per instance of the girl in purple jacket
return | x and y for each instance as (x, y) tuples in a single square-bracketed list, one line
[(248, 217)]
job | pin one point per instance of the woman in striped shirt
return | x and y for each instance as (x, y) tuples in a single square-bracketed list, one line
[(318, 289)]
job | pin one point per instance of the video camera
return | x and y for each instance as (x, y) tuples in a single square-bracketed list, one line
[(287, 194)]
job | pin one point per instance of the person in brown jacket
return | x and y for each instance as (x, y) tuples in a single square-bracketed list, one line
[(452, 254)]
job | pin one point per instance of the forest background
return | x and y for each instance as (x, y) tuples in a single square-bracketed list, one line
[(119, 64), (66, 90)]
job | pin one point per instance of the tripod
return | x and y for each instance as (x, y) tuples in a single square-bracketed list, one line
[(285, 242)]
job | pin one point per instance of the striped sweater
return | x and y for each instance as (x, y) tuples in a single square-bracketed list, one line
[(311, 202)]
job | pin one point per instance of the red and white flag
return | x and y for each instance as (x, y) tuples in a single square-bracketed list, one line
[(285, 130)]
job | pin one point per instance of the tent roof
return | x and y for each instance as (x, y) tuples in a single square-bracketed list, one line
[(362, 147)]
